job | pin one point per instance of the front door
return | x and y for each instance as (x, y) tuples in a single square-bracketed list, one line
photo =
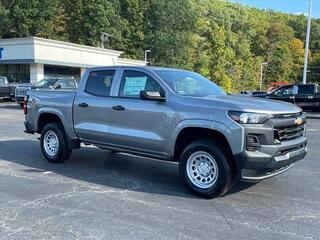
[(92, 107), (137, 124), (284, 93)]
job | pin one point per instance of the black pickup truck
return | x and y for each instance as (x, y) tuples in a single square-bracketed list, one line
[(306, 96), (6, 89)]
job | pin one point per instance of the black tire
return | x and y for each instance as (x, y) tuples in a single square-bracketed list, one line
[(63, 152), (225, 174)]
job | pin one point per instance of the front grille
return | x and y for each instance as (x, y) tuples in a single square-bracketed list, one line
[(288, 115), (21, 91), (289, 132)]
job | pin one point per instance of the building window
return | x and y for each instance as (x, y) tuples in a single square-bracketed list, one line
[(16, 73), (51, 71)]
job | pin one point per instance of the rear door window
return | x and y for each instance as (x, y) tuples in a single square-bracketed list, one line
[(306, 89), (99, 83)]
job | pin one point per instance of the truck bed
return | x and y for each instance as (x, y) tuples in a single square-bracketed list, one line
[(58, 102)]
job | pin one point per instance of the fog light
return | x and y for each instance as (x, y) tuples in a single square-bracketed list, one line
[(252, 143)]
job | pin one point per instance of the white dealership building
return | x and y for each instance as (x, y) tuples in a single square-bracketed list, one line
[(31, 59)]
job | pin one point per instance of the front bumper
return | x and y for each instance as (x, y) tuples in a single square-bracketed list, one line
[(271, 160), (272, 157)]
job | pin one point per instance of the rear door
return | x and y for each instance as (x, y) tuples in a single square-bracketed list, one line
[(137, 124), (92, 107), (305, 97), (284, 93)]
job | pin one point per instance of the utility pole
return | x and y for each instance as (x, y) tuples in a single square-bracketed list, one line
[(146, 56), (261, 73), (306, 51)]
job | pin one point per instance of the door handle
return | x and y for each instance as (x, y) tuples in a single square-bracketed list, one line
[(83, 104), (118, 108)]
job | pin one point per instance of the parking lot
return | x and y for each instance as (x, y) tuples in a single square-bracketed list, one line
[(99, 195)]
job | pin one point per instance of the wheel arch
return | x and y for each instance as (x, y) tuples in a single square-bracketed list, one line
[(50, 116), (209, 130), (46, 117)]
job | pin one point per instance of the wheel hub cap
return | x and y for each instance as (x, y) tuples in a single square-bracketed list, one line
[(202, 169), (51, 143)]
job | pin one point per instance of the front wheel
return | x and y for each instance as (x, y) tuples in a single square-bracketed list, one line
[(53, 143), (204, 169)]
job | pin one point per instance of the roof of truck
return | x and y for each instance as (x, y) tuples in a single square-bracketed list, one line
[(153, 68)]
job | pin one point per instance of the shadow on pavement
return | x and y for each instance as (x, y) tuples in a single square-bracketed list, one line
[(103, 168), (9, 105)]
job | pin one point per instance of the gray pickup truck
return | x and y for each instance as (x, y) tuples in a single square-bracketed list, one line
[(174, 115)]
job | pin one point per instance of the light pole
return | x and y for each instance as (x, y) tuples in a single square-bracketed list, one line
[(261, 73), (306, 51), (146, 55), (105, 38)]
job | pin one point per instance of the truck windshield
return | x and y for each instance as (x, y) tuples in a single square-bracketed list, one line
[(46, 83), (188, 83)]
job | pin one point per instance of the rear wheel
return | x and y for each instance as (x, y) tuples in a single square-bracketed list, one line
[(53, 143), (204, 169)]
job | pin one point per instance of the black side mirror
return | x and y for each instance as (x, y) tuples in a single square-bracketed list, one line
[(57, 86), (152, 95)]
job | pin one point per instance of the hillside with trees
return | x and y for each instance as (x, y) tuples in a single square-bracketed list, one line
[(224, 41)]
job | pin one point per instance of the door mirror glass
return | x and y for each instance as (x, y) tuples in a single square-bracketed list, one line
[(152, 95)]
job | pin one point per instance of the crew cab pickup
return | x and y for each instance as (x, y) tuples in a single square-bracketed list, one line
[(306, 96), (174, 115), (6, 89)]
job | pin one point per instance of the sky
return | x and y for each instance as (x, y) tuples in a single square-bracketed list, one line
[(287, 6)]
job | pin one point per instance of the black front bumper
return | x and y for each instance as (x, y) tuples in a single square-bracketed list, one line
[(271, 160)]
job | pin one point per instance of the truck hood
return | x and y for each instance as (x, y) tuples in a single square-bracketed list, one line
[(251, 104)]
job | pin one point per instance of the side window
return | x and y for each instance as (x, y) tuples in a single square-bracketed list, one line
[(305, 89), (287, 90), (134, 81), (99, 83)]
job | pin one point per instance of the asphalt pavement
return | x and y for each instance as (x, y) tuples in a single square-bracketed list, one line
[(100, 195)]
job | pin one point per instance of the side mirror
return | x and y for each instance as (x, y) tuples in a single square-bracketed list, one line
[(57, 86), (152, 95)]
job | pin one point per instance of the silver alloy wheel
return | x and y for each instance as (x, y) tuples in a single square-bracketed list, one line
[(202, 169), (51, 143)]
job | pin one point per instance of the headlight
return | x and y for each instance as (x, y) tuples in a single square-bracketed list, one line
[(249, 118)]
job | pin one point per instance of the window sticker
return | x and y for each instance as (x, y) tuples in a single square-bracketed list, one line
[(133, 85)]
